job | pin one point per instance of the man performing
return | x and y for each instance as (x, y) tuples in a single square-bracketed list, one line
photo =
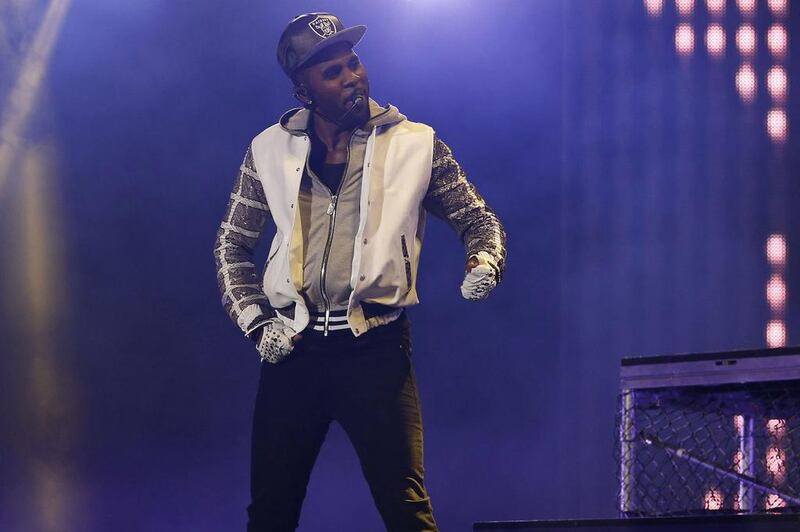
[(347, 183)]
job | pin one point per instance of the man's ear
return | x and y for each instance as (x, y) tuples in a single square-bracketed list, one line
[(303, 95)]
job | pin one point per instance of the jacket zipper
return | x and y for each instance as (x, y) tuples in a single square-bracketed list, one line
[(406, 261), (331, 212)]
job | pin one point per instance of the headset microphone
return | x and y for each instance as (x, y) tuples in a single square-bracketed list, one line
[(342, 120), (357, 101)]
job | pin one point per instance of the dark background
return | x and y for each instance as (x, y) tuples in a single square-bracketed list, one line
[(636, 188)]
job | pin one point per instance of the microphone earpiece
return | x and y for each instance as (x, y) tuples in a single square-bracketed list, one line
[(301, 94)]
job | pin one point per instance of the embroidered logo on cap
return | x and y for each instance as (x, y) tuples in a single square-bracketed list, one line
[(322, 26)]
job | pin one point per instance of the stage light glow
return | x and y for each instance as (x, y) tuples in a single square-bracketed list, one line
[(738, 422), (738, 461), (746, 83), (716, 8), (777, 428), (778, 7), (777, 125), (715, 40), (746, 40), (747, 7), (684, 7), (776, 292), (713, 499), (776, 250), (684, 39), (776, 464), (777, 40), (654, 7), (776, 333), (772, 502), (777, 83)]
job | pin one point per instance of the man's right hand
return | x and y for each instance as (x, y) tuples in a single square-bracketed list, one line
[(276, 341)]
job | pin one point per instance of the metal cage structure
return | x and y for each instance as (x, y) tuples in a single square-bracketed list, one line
[(711, 433)]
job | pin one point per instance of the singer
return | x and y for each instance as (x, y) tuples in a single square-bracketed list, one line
[(347, 183)]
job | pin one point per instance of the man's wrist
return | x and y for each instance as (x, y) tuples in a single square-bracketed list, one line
[(485, 259), (255, 329), (255, 336)]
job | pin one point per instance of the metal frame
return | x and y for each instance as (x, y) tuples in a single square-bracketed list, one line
[(703, 369)]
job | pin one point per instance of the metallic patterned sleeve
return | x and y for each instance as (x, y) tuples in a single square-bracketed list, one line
[(456, 201), (237, 277)]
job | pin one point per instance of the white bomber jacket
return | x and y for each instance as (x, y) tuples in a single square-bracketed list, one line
[(406, 171)]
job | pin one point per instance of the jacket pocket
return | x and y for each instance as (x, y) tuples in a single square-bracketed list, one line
[(406, 261)]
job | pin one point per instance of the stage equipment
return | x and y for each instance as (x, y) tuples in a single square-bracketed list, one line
[(721, 523), (714, 433)]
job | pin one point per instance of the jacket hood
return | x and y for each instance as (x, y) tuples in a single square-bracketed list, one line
[(295, 121)]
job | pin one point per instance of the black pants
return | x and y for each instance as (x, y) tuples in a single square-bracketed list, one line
[(367, 385)]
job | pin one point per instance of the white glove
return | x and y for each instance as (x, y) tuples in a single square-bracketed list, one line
[(481, 279), (275, 343)]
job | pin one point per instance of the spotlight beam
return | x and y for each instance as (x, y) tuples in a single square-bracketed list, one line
[(21, 101)]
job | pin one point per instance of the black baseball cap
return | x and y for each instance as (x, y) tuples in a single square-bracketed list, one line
[(308, 34)]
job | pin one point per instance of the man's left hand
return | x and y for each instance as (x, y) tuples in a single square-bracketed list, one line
[(481, 277)]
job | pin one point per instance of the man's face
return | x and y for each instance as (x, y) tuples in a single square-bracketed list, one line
[(334, 79)]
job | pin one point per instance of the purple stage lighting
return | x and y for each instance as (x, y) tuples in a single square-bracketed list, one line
[(777, 40), (684, 39), (746, 83), (715, 40), (746, 40)]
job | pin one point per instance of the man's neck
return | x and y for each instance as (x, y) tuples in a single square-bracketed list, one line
[(330, 133)]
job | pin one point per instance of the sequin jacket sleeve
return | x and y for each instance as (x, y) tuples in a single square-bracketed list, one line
[(237, 277), (456, 201)]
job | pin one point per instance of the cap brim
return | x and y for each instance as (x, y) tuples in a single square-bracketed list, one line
[(351, 35)]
